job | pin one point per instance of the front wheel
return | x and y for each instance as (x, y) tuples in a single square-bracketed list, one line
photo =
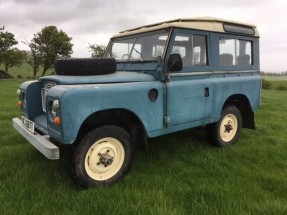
[(227, 130), (103, 157)]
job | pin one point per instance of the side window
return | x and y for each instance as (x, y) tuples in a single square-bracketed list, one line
[(192, 48), (244, 56), (181, 44), (233, 52), (199, 50)]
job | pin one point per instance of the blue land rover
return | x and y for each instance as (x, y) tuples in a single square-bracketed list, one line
[(153, 80)]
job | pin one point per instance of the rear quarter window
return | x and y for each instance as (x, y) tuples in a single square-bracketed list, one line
[(234, 52)]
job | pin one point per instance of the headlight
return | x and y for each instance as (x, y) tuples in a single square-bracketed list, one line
[(55, 107), (23, 98), (47, 85)]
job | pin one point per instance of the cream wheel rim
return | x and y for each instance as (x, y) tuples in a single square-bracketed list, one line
[(228, 127), (104, 158)]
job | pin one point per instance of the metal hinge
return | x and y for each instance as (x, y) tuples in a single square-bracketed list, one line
[(165, 77), (166, 120)]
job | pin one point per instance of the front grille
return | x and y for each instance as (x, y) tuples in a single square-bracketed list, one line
[(44, 91), (43, 94)]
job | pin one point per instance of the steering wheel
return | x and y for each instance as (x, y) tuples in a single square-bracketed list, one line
[(126, 55)]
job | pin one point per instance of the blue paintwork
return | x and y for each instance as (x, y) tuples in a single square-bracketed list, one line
[(118, 77), (32, 90), (182, 101), (184, 97), (79, 102)]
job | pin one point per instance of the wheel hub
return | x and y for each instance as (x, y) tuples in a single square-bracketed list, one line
[(228, 127), (106, 159)]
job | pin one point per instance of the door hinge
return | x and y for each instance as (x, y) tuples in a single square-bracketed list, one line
[(166, 120), (165, 77)]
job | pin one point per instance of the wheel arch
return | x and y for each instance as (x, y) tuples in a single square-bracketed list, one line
[(243, 104), (123, 118)]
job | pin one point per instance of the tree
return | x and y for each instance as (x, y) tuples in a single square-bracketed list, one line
[(98, 51), (7, 40), (35, 58), (48, 45), (13, 57)]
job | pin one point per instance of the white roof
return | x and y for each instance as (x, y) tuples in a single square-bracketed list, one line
[(198, 23)]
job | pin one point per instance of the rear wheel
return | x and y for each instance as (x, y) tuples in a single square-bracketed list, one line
[(227, 130), (103, 157)]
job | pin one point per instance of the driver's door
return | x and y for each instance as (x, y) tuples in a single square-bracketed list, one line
[(189, 92)]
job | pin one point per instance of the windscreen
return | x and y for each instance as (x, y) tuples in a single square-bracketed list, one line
[(139, 47)]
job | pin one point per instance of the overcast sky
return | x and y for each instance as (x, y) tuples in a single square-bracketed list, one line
[(95, 21)]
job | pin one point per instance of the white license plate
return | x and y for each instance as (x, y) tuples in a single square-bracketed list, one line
[(28, 124)]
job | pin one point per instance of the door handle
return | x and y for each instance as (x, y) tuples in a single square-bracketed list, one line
[(206, 91)]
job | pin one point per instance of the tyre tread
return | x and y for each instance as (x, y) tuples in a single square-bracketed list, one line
[(213, 129), (85, 66), (78, 170)]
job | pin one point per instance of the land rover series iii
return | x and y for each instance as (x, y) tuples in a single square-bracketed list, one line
[(153, 80)]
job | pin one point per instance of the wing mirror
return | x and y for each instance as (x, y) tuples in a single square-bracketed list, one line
[(174, 63)]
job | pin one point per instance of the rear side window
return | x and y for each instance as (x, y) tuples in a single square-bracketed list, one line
[(234, 52)]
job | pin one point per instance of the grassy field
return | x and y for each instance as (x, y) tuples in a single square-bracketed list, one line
[(276, 81), (25, 70), (275, 78), (182, 173)]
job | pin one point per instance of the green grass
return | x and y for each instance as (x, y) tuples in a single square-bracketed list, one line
[(25, 70), (276, 81), (181, 174), (275, 78)]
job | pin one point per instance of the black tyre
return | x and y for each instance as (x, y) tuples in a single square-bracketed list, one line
[(103, 157), (227, 130), (85, 66)]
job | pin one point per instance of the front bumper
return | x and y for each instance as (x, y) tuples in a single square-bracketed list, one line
[(40, 142)]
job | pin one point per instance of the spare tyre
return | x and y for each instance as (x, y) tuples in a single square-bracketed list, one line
[(85, 66)]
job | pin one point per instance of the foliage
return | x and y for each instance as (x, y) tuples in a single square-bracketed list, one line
[(7, 40), (48, 45), (281, 87), (274, 74), (181, 173), (13, 57), (276, 81), (25, 70), (98, 51), (35, 58), (266, 84), (5, 75)]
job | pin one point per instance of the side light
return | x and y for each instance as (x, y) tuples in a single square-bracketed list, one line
[(57, 120), (20, 104)]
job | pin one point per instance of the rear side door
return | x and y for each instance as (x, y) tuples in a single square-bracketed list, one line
[(189, 92)]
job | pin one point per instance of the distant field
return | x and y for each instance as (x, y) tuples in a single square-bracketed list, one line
[(275, 78), (25, 70), (181, 174), (276, 81)]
